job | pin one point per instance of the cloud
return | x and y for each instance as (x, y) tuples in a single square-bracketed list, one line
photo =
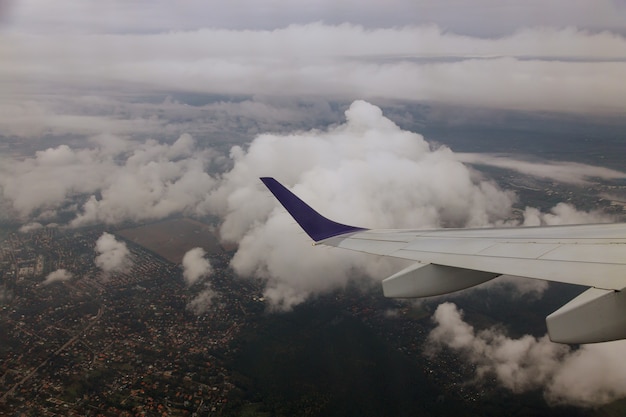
[(115, 180), (59, 275), (592, 375), (201, 303), (113, 256), (563, 213), (564, 172), (29, 227), (353, 173), (479, 17), (539, 69), (587, 377), (195, 266), (366, 171)]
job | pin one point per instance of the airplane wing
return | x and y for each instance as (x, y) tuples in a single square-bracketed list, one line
[(448, 260)]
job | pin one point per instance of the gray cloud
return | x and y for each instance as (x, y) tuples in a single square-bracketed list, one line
[(113, 256), (590, 376), (59, 275), (542, 69)]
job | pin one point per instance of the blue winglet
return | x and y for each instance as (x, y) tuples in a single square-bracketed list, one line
[(313, 223)]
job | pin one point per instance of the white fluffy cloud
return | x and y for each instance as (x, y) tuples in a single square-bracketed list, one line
[(195, 266), (59, 275), (590, 376), (125, 180), (366, 172), (563, 213), (113, 256)]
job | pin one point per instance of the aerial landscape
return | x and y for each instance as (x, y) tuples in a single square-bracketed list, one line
[(146, 270)]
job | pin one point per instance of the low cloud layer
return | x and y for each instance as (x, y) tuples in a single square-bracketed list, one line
[(59, 275), (564, 172), (590, 376), (537, 69), (113, 255)]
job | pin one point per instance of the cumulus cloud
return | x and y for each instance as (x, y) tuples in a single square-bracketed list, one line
[(590, 376), (113, 255), (353, 173), (195, 266), (124, 180), (563, 213), (59, 275)]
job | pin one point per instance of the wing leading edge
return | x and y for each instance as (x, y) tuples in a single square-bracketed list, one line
[(448, 260)]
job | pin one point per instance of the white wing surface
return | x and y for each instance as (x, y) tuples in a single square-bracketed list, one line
[(452, 259)]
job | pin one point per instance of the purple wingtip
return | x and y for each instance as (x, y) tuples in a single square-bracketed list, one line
[(314, 224)]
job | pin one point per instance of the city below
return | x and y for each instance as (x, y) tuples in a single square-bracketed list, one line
[(129, 342)]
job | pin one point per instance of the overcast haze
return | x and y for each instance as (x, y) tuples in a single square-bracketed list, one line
[(118, 111)]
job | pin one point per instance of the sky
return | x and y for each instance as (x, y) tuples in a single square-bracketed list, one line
[(124, 111)]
